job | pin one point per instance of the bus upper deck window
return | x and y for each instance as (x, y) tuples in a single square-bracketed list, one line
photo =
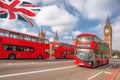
[(21, 37), (1, 33), (46, 41), (15, 36), (7, 34), (40, 40), (33, 39), (26, 38)]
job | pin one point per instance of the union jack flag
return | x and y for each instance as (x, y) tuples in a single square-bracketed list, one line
[(16, 9)]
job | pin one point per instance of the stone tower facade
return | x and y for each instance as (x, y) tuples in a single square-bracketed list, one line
[(73, 40), (108, 35), (42, 34)]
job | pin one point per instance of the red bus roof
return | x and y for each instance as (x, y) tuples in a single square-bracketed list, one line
[(61, 43), (20, 33), (90, 34), (86, 34)]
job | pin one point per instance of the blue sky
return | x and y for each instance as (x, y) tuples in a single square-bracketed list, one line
[(70, 18)]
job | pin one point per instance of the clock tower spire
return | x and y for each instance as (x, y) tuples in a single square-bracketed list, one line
[(108, 35), (107, 22)]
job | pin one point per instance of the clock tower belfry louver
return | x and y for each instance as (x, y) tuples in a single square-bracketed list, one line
[(108, 35)]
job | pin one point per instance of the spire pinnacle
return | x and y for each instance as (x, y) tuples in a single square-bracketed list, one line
[(56, 37), (107, 21)]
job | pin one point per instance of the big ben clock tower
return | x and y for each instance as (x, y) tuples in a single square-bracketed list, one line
[(108, 35)]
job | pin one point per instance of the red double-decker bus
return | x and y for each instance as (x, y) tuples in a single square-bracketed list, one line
[(62, 50), (15, 45), (90, 51)]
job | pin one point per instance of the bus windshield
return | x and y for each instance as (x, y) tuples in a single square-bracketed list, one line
[(85, 38), (84, 54)]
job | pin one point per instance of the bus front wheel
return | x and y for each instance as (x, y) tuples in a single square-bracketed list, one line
[(40, 57), (11, 56)]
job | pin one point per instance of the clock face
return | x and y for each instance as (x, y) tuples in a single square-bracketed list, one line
[(107, 31)]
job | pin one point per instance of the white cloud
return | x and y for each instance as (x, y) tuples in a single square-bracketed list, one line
[(24, 30), (116, 32), (11, 24), (75, 33), (57, 18), (99, 29), (49, 33), (16, 25), (78, 4), (67, 37), (5, 23), (51, 39), (95, 9)]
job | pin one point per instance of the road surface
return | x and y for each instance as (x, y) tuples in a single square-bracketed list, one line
[(53, 69)]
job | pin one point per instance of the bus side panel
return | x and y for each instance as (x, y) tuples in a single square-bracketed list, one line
[(58, 52), (23, 54), (70, 53), (40, 51), (45, 54)]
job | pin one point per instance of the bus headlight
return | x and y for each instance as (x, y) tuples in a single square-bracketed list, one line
[(89, 63)]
